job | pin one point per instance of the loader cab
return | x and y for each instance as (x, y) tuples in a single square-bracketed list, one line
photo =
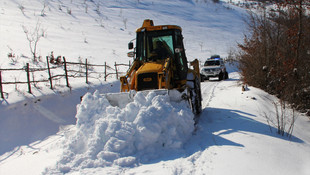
[(158, 43)]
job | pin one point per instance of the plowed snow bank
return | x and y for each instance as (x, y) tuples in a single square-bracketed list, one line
[(107, 135)]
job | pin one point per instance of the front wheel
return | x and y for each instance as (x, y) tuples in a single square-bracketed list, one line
[(195, 97), (221, 76)]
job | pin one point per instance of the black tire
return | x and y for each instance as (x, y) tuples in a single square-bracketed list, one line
[(226, 76), (202, 78), (195, 98), (221, 76)]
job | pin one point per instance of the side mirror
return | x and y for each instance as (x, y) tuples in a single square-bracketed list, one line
[(178, 50), (131, 54), (130, 45)]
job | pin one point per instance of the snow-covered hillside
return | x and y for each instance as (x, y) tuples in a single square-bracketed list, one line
[(100, 30), (54, 132)]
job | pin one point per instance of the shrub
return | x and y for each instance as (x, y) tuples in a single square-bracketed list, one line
[(275, 56)]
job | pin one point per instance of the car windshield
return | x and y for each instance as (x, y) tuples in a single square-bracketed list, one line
[(212, 63)]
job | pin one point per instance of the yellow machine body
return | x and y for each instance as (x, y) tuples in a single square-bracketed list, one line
[(160, 62)]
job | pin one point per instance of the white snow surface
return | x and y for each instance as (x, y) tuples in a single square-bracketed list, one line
[(54, 132), (145, 129), (155, 135)]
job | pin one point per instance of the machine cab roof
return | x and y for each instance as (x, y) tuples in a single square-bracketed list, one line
[(157, 43)]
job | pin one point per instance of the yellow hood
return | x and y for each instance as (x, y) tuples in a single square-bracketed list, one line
[(150, 67)]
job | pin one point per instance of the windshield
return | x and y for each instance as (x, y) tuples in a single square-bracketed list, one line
[(212, 63), (158, 45)]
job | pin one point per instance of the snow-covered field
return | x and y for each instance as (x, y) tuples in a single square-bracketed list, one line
[(53, 132)]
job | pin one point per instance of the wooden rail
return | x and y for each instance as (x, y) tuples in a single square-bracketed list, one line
[(65, 65)]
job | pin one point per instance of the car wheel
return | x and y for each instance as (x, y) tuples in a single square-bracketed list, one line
[(221, 76), (226, 75)]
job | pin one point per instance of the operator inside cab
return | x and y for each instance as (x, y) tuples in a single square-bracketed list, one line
[(160, 52)]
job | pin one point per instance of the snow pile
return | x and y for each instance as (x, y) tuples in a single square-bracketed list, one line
[(107, 135)]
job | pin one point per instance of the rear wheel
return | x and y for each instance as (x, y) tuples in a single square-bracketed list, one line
[(226, 75)]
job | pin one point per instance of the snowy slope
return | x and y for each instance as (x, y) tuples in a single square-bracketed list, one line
[(52, 132), (100, 31)]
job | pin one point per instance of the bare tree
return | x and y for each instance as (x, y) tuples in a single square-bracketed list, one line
[(274, 54), (14, 59), (201, 44), (22, 8), (69, 11), (33, 38), (125, 22), (43, 9)]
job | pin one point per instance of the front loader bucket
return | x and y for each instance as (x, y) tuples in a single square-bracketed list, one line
[(123, 98)]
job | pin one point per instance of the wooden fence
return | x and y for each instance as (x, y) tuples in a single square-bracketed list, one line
[(85, 70)]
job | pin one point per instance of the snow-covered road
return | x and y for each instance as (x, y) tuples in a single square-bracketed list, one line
[(207, 91), (231, 132)]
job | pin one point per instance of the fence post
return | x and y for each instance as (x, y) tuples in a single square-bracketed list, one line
[(49, 72), (1, 90), (66, 72), (116, 70), (86, 71), (105, 71), (28, 78)]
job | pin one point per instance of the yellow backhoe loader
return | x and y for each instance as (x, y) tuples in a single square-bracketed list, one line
[(160, 65)]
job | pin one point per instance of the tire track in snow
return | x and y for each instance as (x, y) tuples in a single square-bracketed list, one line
[(208, 89), (202, 161)]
